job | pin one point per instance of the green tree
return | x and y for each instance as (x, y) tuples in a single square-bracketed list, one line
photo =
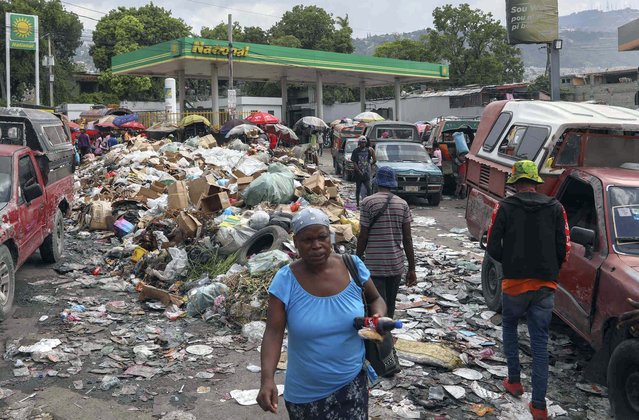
[(315, 29), (403, 49), (540, 84), (287, 41), (253, 34), (475, 46), (128, 29), (65, 30)]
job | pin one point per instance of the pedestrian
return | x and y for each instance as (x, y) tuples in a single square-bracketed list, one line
[(529, 236), (460, 176), (112, 141), (84, 143), (385, 236), (363, 158), (437, 154), (317, 301)]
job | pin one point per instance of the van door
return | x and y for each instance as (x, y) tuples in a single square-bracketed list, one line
[(582, 198), (30, 214)]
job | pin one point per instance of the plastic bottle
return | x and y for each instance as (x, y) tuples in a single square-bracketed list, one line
[(380, 324)]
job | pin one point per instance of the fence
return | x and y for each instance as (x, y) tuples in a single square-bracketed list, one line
[(151, 117)]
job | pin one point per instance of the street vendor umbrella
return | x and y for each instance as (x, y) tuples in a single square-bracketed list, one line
[(313, 122), (243, 129), (226, 127), (346, 121), (133, 125), (285, 131), (194, 119), (106, 121), (262, 118), (368, 116), (73, 126)]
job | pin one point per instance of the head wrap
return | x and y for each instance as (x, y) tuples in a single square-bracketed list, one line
[(308, 217)]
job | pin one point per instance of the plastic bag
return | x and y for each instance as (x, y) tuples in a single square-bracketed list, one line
[(268, 261), (205, 297), (276, 187), (259, 220), (193, 142), (178, 264), (232, 238)]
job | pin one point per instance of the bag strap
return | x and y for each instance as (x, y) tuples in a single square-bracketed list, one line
[(350, 265), (381, 211)]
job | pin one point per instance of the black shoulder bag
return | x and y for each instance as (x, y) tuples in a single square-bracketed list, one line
[(380, 355)]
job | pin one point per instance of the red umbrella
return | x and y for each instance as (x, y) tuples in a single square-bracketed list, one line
[(73, 126), (262, 118), (133, 125)]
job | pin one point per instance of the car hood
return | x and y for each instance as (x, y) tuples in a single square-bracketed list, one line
[(411, 168)]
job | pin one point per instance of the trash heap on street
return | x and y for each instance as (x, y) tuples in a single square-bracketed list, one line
[(202, 228)]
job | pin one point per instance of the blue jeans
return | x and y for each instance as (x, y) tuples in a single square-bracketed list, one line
[(537, 307)]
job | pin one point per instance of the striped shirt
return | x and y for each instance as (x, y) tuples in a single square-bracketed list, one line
[(384, 250)]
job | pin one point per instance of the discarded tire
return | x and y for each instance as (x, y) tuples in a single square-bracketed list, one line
[(282, 220), (491, 277), (267, 239), (623, 380)]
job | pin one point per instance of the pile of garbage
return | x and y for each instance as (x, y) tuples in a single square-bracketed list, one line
[(199, 228)]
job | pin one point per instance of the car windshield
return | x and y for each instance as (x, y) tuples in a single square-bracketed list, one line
[(397, 133), (401, 152), (349, 147), (624, 206), (5, 180)]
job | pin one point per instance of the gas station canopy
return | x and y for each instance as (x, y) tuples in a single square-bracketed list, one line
[(628, 36), (257, 62)]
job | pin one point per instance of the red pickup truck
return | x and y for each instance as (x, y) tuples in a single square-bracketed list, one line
[(588, 156), (36, 190)]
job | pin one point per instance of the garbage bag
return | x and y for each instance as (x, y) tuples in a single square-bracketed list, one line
[(232, 238), (277, 186), (193, 142), (259, 220), (268, 261), (178, 264), (254, 330), (205, 297)]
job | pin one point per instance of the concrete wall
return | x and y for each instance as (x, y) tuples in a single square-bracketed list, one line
[(73, 111), (619, 94), (140, 106)]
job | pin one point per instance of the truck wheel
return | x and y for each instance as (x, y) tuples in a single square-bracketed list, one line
[(7, 282), (434, 199), (53, 245), (491, 276), (623, 380)]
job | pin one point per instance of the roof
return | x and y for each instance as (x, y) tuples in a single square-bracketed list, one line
[(614, 176), (270, 63), (10, 149), (559, 113), (33, 114)]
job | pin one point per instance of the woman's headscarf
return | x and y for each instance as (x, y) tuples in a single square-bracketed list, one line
[(308, 217)]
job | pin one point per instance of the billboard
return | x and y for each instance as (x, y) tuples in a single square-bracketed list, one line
[(532, 21), (23, 31)]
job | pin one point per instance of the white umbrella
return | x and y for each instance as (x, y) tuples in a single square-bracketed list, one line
[(243, 129), (286, 131), (313, 122), (368, 116)]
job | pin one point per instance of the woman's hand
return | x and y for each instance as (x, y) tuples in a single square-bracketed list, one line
[(267, 397)]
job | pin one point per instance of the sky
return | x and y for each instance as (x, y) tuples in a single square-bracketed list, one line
[(381, 17)]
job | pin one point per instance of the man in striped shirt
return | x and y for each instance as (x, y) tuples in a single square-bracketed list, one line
[(385, 236)]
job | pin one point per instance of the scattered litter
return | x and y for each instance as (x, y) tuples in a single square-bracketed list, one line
[(469, 374), (42, 346), (249, 396), (199, 350)]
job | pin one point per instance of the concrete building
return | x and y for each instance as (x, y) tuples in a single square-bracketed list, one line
[(614, 87)]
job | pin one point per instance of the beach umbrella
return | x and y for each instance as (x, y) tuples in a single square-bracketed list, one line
[(226, 127), (368, 116), (133, 125), (243, 129), (313, 122), (262, 118), (73, 126), (194, 119)]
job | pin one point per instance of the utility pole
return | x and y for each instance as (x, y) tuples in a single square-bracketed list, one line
[(231, 95), (50, 64)]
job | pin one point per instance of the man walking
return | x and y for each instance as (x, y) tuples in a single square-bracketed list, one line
[(529, 236), (385, 236), (363, 158), (84, 143)]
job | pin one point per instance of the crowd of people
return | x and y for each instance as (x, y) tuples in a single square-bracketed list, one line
[(100, 142)]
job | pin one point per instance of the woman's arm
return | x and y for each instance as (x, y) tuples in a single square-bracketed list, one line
[(271, 348), (375, 302)]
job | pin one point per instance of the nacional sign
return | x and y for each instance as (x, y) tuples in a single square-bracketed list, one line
[(22, 31), (200, 48), (532, 21)]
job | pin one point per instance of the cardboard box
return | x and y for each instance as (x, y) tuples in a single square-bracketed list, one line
[(333, 211), (158, 186), (213, 203), (243, 183), (208, 141), (191, 227), (203, 186), (100, 211), (299, 192), (315, 183), (331, 188), (343, 233), (178, 196)]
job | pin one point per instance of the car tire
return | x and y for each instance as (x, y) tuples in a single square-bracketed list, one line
[(7, 282), (53, 246), (623, 380), (265, 239), (434, 199), (491, 276)]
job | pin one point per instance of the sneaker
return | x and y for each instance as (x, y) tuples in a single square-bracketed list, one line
[(514, 389), (538, 413)]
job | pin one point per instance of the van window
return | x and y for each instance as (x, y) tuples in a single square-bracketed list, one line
[(578, 199), (532, 142), (569, 151), (498, 129), (56, 134)]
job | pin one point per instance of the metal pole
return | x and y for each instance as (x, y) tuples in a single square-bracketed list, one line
[(398, 94), (554, 73), (230, 36), (7, 56), (37, 61), (319, 96), (284, 88), (215, 99), (362, 96), (50, 64)]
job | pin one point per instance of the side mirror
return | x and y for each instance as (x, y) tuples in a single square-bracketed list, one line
[(31, 192), (585, 237)]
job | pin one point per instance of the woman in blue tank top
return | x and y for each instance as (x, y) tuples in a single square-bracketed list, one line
[(316, 299)]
